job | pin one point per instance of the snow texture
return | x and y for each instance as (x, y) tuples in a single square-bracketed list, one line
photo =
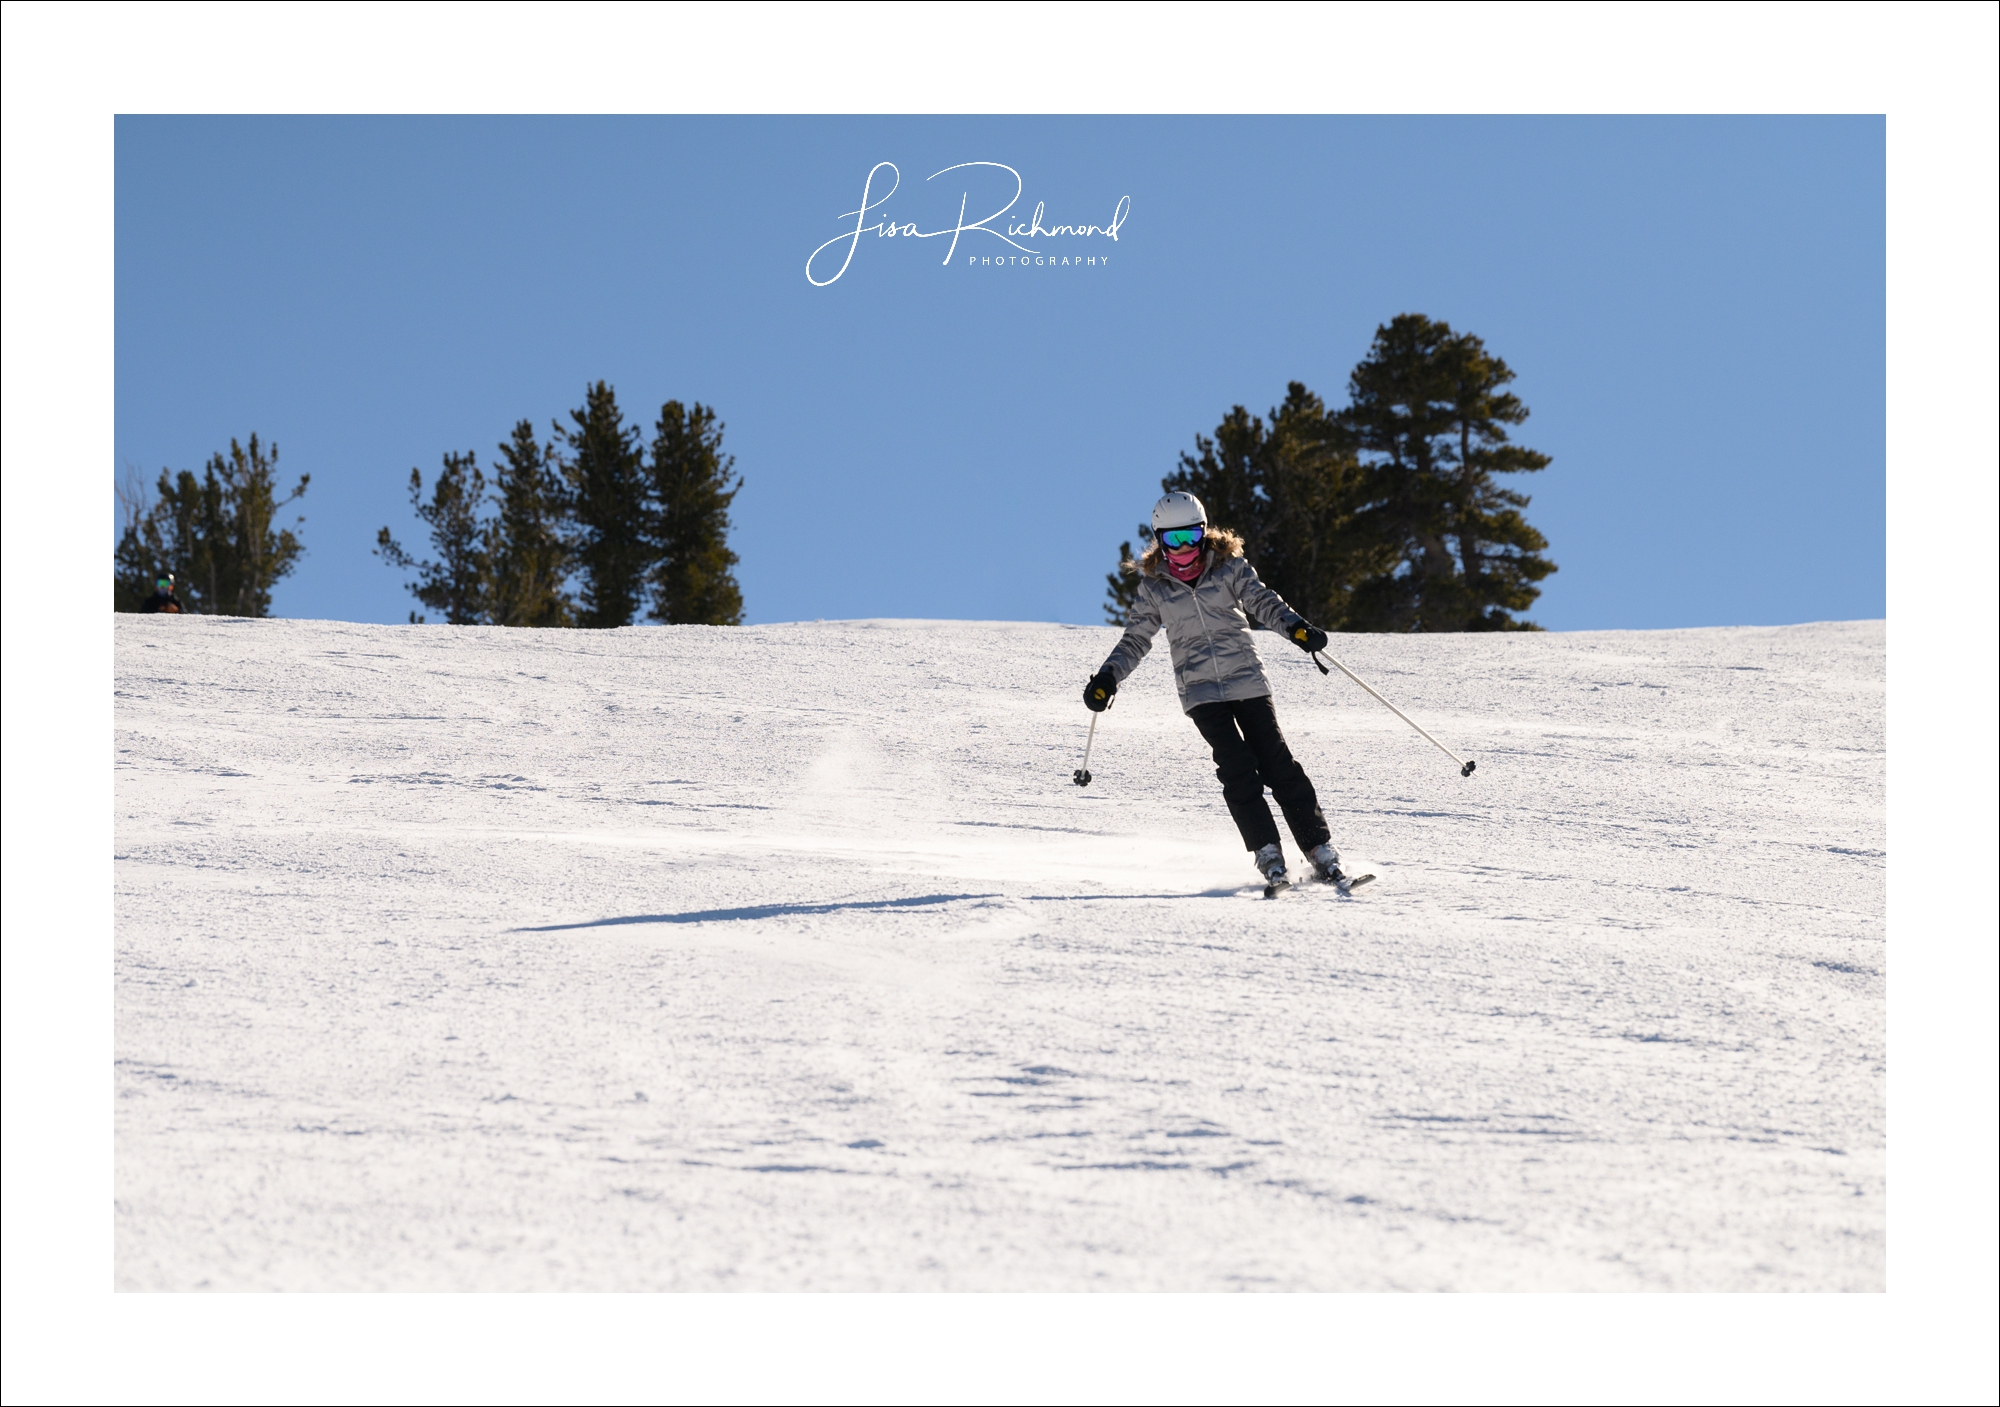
[(789, 957)]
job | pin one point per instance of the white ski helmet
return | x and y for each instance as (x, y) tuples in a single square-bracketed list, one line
[(1179, 510)]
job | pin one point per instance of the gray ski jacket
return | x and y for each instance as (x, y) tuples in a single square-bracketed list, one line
[(1207, 625)]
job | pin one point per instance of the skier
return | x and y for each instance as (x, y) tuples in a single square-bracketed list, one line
[(1194, 581), (162, 601)]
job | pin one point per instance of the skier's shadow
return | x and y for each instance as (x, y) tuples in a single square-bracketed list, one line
[(758, 911), (1230, 892)]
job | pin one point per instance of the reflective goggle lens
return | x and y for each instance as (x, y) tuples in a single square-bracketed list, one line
[(1180, 539)]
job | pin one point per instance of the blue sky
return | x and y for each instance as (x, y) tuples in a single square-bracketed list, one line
[(1694, 307)]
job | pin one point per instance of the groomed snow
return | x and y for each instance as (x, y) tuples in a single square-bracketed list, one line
[(788, 957)]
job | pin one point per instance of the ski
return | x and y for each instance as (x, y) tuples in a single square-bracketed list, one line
[(1345, 885)]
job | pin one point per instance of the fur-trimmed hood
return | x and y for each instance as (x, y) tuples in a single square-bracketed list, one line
[(1215, 542)]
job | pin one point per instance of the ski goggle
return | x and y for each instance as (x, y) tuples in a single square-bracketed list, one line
[(1180, 539)]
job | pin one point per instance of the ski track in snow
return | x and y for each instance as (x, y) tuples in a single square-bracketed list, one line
[(788, 957)]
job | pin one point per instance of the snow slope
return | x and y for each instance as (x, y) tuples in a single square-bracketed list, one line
[(788, 957)]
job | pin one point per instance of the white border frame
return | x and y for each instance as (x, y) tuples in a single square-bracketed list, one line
[(1930, 68)]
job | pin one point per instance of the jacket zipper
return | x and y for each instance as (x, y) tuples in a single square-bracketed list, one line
[(1214, 666)]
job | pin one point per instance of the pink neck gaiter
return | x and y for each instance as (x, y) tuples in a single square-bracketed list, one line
[(1184, 566)]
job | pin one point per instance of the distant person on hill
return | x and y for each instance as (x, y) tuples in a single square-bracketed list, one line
[(162, 601), (1195, 582)]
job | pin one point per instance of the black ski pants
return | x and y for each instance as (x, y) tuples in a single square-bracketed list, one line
[(1250, 754)]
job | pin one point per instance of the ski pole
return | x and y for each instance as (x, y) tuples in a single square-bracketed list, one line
[(1464, 766), (1082, 774)]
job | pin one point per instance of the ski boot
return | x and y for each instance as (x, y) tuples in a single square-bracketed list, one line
[(1326, 864), (1270, 863)]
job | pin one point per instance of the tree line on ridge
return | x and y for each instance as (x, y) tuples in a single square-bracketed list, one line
[(587, 528), (592, 527), (1387, 514)]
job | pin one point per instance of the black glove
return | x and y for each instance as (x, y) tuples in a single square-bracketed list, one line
[(1307, 636), (1097, 693)]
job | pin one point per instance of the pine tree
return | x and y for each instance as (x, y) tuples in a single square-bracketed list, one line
[(525, 540), (1427, 412), (460, 584), (1121, 587), (692, 488), (1307, 485), (1499, 552), (1223, 474), (217, 534), (1289, 488), (1397, 414), (606, 477), (156, 541), (258, 554), (191, 528)]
